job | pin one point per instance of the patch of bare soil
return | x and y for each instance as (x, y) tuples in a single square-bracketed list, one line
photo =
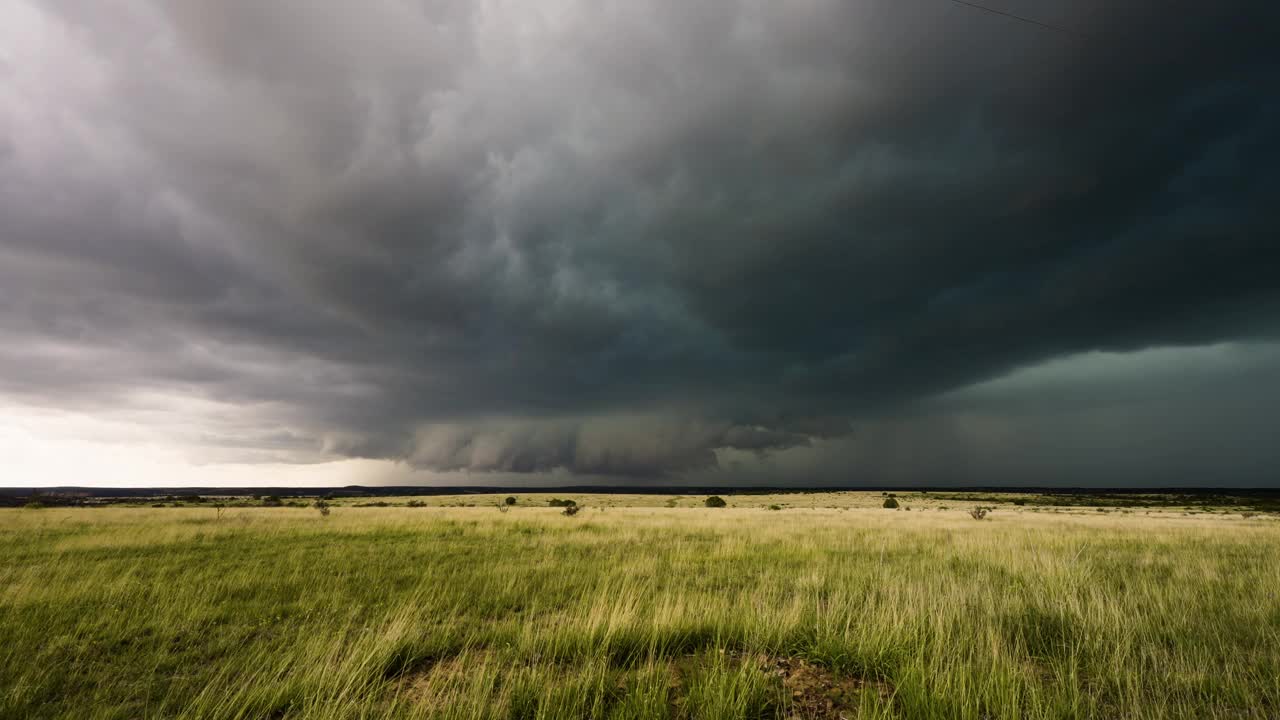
[(813, 692), (817, 693), (423, 682)]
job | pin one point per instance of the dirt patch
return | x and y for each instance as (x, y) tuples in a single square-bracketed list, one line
[(811, 691), (423, 683), (814, 691)]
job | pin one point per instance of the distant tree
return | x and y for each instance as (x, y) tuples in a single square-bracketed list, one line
[(510, 500), (891, 503), (715, 501), (557, 502), (322, 506)]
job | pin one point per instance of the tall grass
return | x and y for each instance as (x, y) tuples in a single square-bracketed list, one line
[(638, 612)]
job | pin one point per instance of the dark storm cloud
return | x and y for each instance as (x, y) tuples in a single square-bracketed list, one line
[(617, 237)]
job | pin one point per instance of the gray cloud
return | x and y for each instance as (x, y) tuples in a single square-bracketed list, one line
[(1160, 417), (642, 446), (615, 238)]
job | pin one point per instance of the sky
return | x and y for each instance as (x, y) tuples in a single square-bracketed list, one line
[(810, 242)]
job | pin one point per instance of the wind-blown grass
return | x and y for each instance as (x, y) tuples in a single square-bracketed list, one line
[(635, 612)]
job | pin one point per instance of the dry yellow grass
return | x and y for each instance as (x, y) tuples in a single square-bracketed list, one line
[(637, 611)]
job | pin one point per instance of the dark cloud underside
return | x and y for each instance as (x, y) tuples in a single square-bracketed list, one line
[(618, 237)]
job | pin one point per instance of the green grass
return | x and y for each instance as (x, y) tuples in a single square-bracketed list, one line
[(638, 611)]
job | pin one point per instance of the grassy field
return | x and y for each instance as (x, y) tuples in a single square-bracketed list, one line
[(828, 607)]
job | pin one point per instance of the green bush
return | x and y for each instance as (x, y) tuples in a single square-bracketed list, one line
[(715, 501), (891, 503), (510, 500)]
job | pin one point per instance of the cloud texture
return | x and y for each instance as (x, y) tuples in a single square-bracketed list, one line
[(626, 239)]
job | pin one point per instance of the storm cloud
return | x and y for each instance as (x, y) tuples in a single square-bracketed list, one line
[(646, 239)]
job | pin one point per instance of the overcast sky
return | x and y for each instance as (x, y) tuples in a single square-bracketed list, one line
[(639, 241)]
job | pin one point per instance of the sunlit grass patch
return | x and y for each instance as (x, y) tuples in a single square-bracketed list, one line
[(637, 612)]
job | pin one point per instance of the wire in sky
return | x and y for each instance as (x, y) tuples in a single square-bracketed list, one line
[(1020, 18)]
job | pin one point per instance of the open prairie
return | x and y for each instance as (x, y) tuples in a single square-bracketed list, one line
[(829, 606)]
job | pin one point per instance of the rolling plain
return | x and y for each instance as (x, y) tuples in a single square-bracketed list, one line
[(799, 605)]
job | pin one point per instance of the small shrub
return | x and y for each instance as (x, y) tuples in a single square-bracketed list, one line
[(503, 508), (891, 503), (979, 512), (715, 501), (416, 504), (510, 500), (671, 502), (571, 510), (775, 507), (34, 505), (322, 506), (557, 502), (272, 501)]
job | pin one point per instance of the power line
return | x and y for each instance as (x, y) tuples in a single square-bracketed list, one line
[(1020, 18)]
